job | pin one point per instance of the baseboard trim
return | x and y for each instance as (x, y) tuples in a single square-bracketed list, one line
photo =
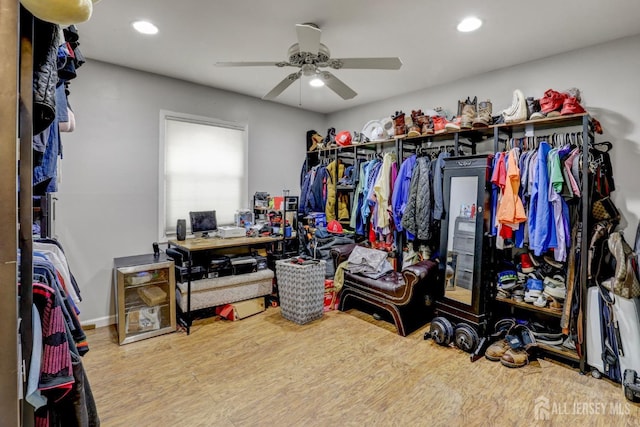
[(100, 322)]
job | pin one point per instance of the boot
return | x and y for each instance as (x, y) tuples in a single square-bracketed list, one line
[(399, 128), (533, 109), (484, 115), (330, 139), (467, 110), (414, 127), (427, 125)]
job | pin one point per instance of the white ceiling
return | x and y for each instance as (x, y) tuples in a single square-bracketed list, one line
[(195, 34)]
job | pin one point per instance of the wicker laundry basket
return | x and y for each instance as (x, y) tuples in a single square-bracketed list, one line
[(301, 290)]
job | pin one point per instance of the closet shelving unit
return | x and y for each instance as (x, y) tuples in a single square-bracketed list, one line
[(469, 138), (539, 128), (16, 81), (404, 146)]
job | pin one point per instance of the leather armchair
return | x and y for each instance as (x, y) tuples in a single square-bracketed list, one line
[(405, 295)]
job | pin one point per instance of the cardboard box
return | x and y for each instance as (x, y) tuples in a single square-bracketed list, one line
[(242, 309)]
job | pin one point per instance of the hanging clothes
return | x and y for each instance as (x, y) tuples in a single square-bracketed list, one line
[(382, 193), (542, 225), (400, 195), (510, 209), (335, 170), (417, 216)]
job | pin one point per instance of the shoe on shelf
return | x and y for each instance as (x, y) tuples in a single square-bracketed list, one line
[(554, 287), (545, 334), (551, 103), (571, 106), (468, 111), (552, 262), (483, 119), (517, 112), (533, 109), (541, 301), (534, 289), (507, 280), (439, 124), (454, 124), (526, 265), (399, 127)]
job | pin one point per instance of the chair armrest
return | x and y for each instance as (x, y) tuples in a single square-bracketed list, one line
[(415, 273), (341, 253)]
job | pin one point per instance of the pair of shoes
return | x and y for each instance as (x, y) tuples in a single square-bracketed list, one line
[(415, 127), (468, 111), (483, 119), (571, 105), (439, 124), (330, 139), (507, 280), (555, 287), (534, 289), (316, 141), (453, 124), (526, 265), (399, 127), (533, 109), (359, 138), (512, 351), (517, 112), (544, 334), (551, 103)]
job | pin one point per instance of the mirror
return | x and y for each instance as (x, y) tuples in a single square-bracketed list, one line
[(461, 238)]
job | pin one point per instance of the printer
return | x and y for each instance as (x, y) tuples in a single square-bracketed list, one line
[(228, 231)]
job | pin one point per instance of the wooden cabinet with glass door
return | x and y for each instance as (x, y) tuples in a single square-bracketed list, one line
[(145, 297)]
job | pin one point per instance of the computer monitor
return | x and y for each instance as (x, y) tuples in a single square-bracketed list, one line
[(203, 222)]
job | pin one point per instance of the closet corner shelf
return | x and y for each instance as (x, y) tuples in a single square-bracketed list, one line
[(530, 307)]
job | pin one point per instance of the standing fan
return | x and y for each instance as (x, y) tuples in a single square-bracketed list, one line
[(310, 56)]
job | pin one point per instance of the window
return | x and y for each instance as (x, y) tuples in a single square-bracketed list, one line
[(203, 166)]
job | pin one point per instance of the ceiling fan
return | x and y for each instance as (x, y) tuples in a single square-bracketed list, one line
[(310, 56)]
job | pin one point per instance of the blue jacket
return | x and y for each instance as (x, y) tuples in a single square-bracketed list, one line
[(400, 194)]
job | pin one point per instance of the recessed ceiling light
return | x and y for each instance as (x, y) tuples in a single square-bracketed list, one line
[(145, 27), (469, 24)]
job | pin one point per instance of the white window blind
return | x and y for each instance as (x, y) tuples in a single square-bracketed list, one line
[(204, 168)]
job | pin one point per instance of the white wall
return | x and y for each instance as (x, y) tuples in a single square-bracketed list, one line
[(108, 194), (607, 75)]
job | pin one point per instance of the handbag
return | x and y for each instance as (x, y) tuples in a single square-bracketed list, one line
[(624, 283), (604, 209)]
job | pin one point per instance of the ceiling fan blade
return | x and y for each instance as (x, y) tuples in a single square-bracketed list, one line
[(367, 63), (285, 83), (252, 64), (337, 85), (308, 38)]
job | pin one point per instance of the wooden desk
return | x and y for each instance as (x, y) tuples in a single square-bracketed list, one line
[(190, 246), (210, 243)]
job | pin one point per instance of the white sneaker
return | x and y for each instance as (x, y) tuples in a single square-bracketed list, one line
[(541, 301), (517, 112)]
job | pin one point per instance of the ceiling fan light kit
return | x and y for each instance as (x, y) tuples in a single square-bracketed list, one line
[(310, 56), (469, 24)]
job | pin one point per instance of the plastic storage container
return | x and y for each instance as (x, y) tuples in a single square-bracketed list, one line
[(301, 290)]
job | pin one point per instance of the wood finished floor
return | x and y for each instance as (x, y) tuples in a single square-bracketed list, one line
[(345, 369)]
